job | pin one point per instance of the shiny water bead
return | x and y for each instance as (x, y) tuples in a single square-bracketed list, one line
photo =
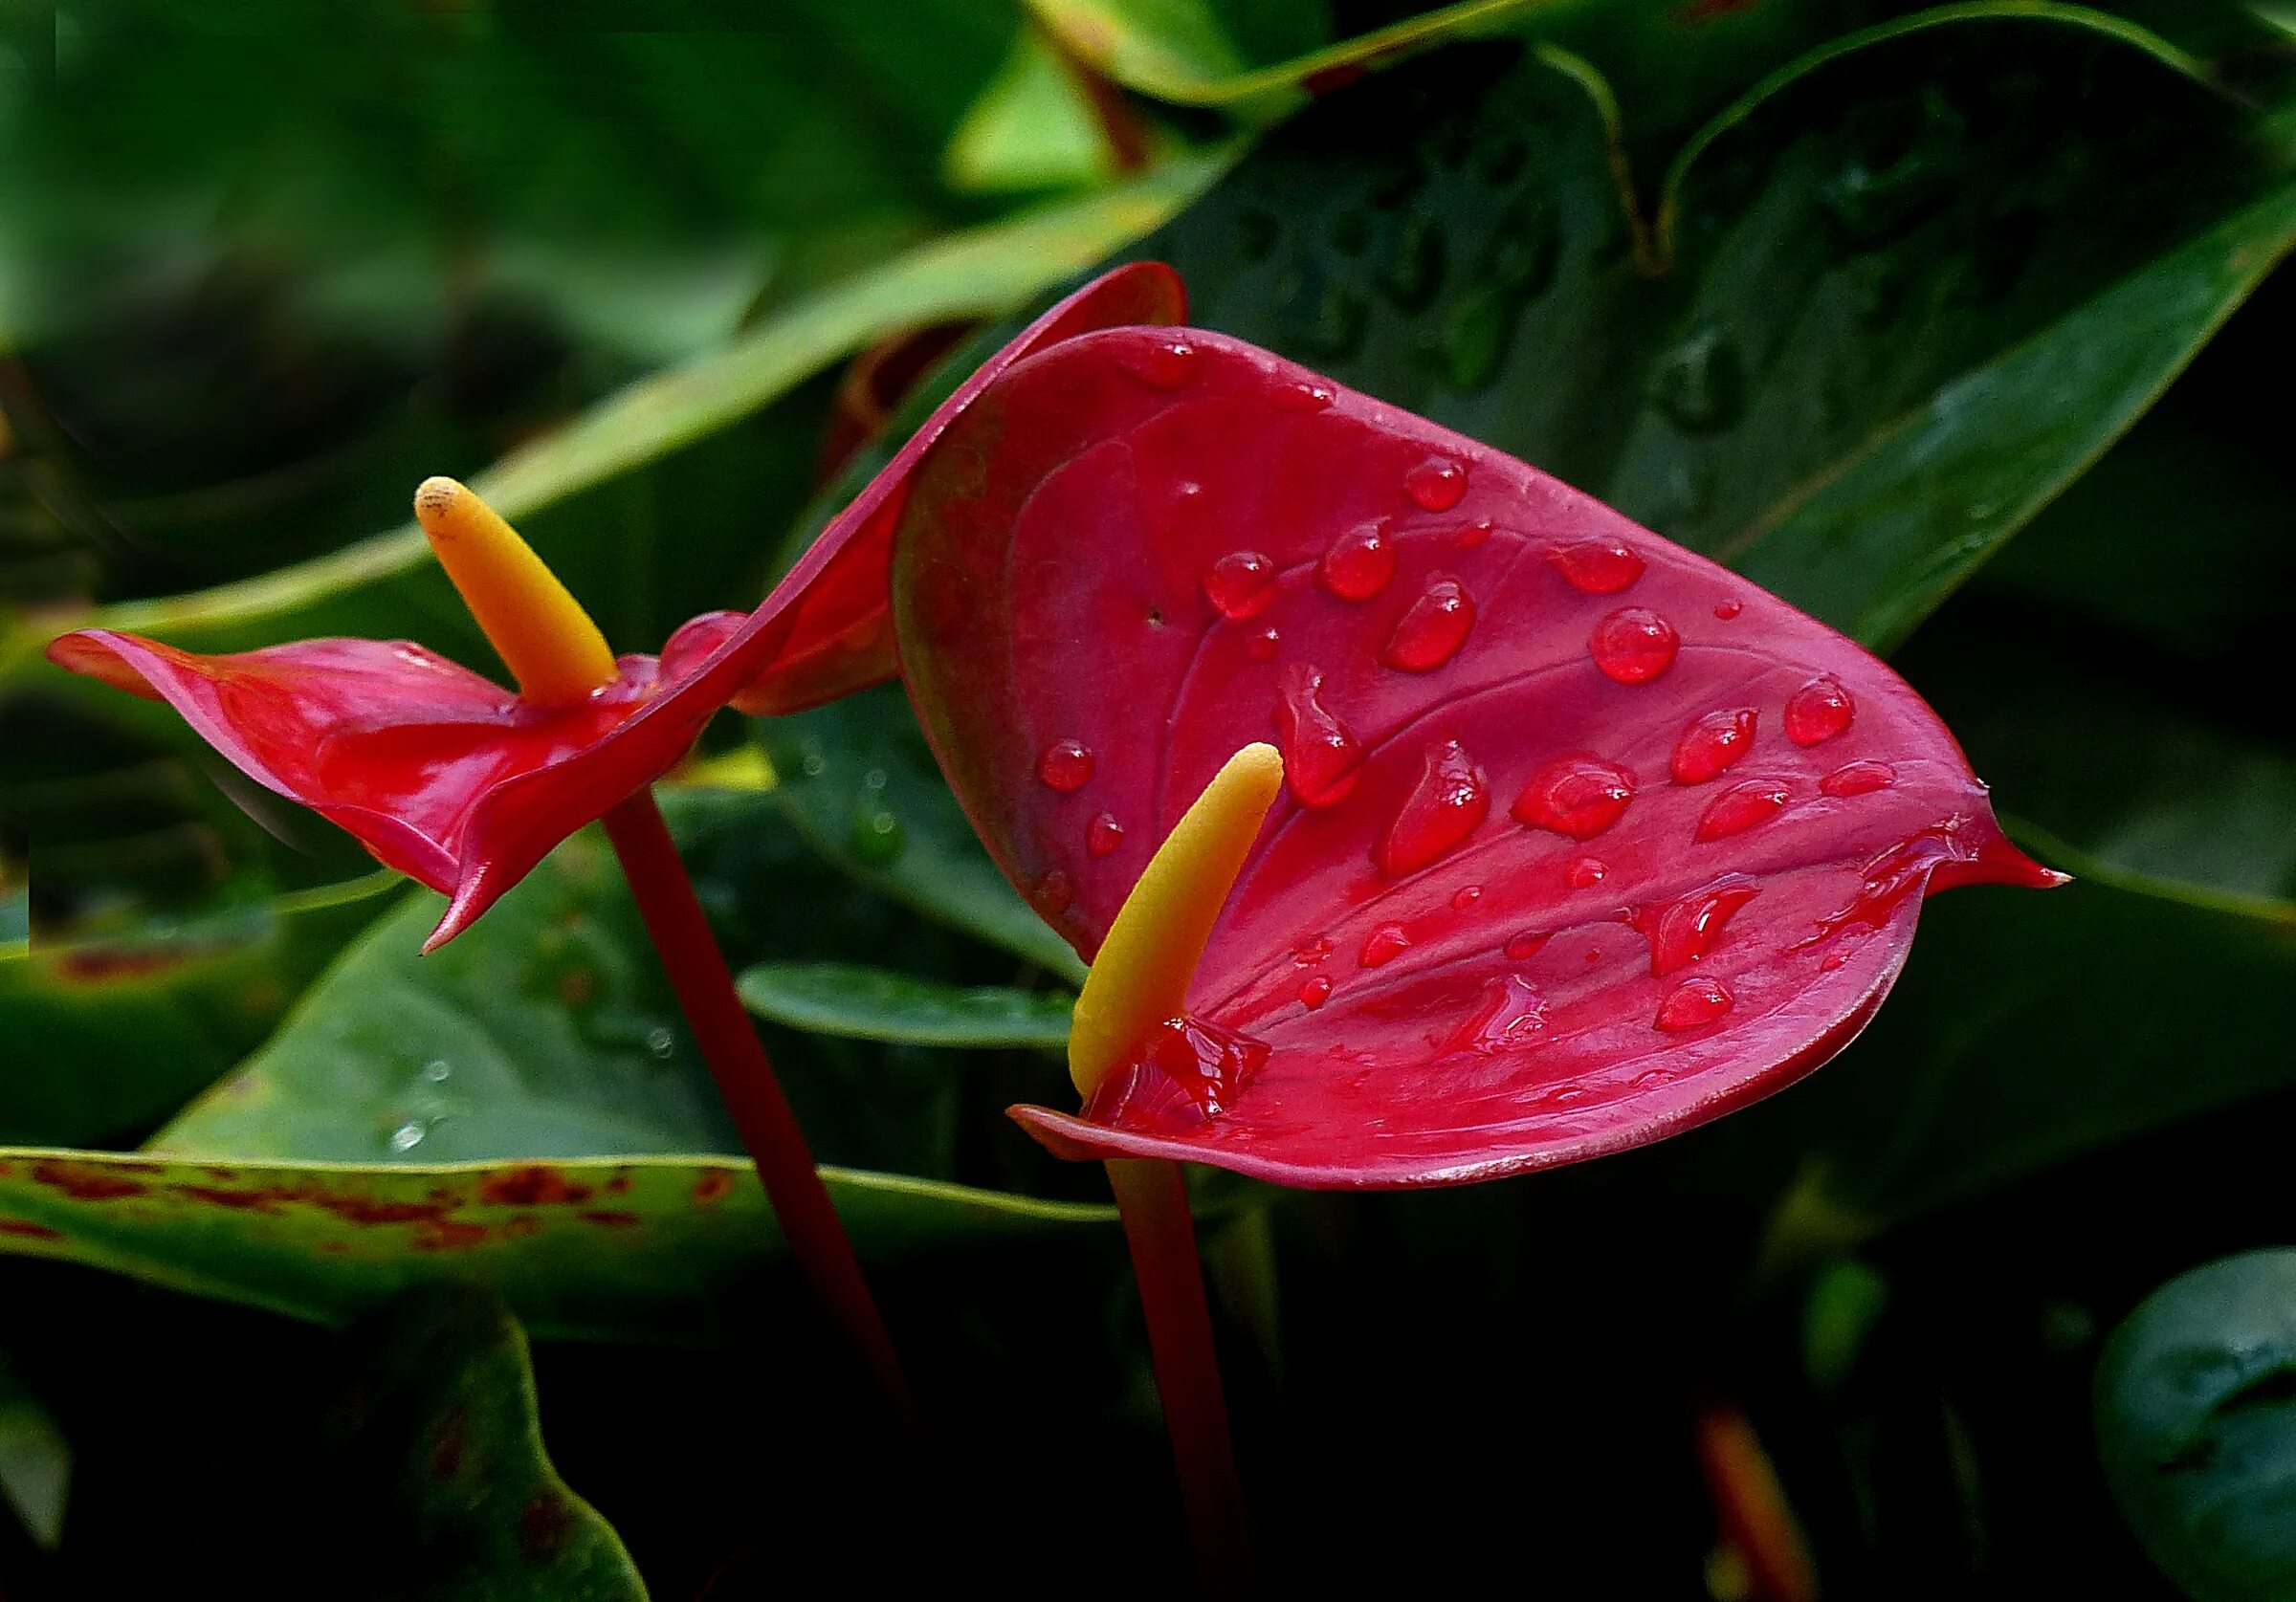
[(1472, 535), (1524, 946), (1587, 872), (1211, 1063), (1858, 779), (1728, 610), (1686, 928), (1239, 584), (1315, 992), (1510, 1015), (1261, 647), (1695, 1003), (1322, 757), (1431, 630), (1741, 807), (1304, 396), (1165, 365), (1360, 562), (1066, 765), (1448, 804), (1103, 835), (1056, 893), (1712, 745), (1599, 566), (1436, 484), (1578, 795), (1633, 645), (1818, 710), (1383, 945), (1464, 898)]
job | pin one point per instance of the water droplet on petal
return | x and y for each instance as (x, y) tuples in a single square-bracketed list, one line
[(1322, 757), (1511, 1016), (1448, 804), (1464, 898), (1209, 1063), (1472, 535), (1261, 647), (1315, 992), (1728, 610), (1742, 806), (1818, 710), (1164, 365), (1056, 893), (1712, 745), (1360, 562), (1436, 484), (1303, 397), (1239, 584), (1523, 947), (1578, 795), (1587, 872), (1066, 765), (1685, 929), (1695, 1003), (1858, 779), (1383, 945), (1103, 835), (1599, 566), (1633, 645), (1430, 632)]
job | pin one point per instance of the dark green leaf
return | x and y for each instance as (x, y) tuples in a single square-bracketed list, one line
[(858, 778), (2195, 1407), (1894, 299), (437, 1450), (875, 1004), (36, 1459)]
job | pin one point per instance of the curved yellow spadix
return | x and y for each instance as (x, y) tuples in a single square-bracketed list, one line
[(540, 631), (1140, 977)]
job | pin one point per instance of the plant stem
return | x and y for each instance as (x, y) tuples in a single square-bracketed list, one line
[(745, 1079), (1152, 1199)]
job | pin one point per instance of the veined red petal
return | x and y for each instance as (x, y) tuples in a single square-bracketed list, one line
[(1494, 998)]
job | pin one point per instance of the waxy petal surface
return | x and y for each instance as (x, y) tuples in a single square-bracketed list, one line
[(455, 781), (1569, 860)]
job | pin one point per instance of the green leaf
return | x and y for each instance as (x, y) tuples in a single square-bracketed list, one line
[(2196, 1414), (2027, 1029), (389, 586), (36, 1459), (526, 1108), (107, 1038), (857, 779), (875, 1004), (438, 1444), (1032, 128), (1895, 298)]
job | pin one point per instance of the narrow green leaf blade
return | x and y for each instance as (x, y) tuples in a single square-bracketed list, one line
[(877, 1004)]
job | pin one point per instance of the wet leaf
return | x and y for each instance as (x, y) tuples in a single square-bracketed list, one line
[(857, 779), (2196, 1412), (526, 1107), (1886, 306), (877, 1004), (438, 1443)]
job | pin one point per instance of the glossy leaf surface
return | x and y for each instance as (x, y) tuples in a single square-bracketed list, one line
[(464, 786), (1587, 840), (2198, 1430), (879, 1004)]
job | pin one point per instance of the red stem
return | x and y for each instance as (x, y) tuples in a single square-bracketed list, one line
[(1152, 1199), (745, 1079)]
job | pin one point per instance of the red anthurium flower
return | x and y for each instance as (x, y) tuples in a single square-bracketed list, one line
[(463, 785), (1583, 839)]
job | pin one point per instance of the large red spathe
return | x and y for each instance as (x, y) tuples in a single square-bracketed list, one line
[(465, 786), (1588, 840)]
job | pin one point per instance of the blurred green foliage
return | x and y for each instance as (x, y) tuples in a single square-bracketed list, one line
[(1910, 312)]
